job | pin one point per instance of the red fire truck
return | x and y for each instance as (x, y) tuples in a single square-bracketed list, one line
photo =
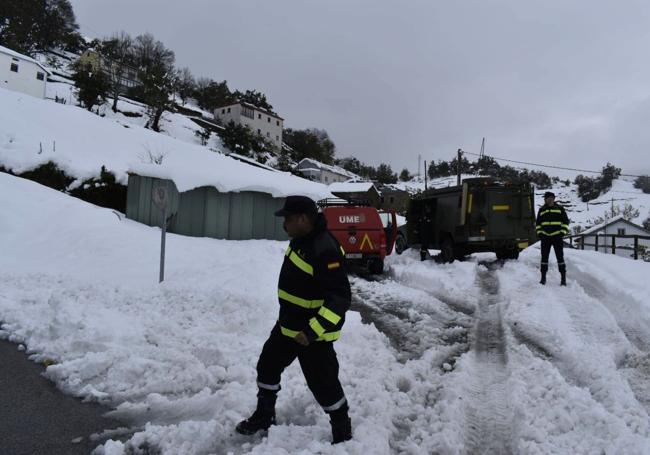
[(366, 237)]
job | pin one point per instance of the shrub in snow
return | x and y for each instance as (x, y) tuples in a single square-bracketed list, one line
[(104, 191), (50, 175)]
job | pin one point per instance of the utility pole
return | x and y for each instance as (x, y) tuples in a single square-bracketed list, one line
[(460, 152), (425, 175)]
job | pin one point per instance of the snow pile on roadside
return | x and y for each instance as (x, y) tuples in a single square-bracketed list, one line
[(33, 132)]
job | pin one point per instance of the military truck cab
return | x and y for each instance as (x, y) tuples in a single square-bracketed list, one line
[(480, 215)]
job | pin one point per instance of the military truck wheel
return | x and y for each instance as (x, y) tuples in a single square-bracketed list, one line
[(447, 250), (400, 244), (376, 266)]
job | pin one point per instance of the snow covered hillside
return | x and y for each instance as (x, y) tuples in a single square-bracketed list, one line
[(450, 359), (33, 132)]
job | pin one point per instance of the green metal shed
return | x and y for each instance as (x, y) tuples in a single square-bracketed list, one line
[(206, 212)]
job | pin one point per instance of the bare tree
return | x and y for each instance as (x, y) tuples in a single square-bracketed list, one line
[(117, 53), (185, 84), (157, 75)]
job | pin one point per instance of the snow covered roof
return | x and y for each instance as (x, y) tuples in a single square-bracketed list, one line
[(609, 222), (80, 143), (351, 187), (315, 164), (6, 50)]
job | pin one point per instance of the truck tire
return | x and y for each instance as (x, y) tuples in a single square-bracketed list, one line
[(376, 266), (400, 244), (507, 254), (447, 254)]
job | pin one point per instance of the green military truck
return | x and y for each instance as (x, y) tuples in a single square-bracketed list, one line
[(481, 214)]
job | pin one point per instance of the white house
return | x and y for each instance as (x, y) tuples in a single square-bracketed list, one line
[(257, 119), (21, 73), (323, 173), (602, 234)]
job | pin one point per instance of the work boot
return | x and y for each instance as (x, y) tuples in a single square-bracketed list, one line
[(262, 418), (562, 275), (341, 425), (543, 280)]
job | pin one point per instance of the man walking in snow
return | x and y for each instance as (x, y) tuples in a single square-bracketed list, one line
[(552, 224), (314, 294)]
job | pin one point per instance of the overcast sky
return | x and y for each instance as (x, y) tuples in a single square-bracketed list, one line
[(556, 81)]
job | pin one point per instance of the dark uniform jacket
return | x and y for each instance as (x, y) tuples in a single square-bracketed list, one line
[(313, 289), (552, 221)]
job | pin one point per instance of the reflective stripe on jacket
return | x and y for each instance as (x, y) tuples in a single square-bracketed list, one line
[(313, 289), (552, 221)]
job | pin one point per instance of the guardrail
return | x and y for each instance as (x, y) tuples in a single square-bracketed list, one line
[(597, 245)]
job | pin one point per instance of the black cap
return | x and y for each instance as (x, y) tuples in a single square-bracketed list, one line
[(549, 194), (294, 205)]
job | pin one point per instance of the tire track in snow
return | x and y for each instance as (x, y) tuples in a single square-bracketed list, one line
[(489, 417)]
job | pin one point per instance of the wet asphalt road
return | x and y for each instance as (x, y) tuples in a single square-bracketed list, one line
[(36, 418)]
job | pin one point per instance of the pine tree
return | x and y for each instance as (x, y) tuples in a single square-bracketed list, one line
[(405, 175), (385, 174)]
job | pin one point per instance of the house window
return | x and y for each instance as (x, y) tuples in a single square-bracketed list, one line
[(229, 110), (40, 76), (259, 116), (268, 120), (277, 138), (248, 112), (277, 122), (621, 231), (268, 134), (259, 131), (326, 179), (223, 111), (14, 67)]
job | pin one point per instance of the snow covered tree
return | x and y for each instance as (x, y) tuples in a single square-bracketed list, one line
[(405, 175), (385, 174), (210, 94), (117, 53), (28, 26), (253, 97), (643, 183), (310, 143), (93, 85), (242, 140), (646, 223), (157, 76), (349, 163)]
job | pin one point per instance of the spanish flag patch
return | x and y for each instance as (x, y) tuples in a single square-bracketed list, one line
[(333, 265)]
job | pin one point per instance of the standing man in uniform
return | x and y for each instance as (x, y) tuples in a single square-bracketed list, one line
[(314, 294), (552, 224)]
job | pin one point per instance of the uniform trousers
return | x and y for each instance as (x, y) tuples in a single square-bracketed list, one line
[(557, 243), (318, 362)]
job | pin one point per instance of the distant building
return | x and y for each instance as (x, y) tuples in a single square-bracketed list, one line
[(393, 198), (601, 234), (323, 173), (21, 73), (128, 78), (259, 120), (357, 191)]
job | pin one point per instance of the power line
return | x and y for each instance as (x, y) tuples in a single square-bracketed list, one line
[(546, 165)]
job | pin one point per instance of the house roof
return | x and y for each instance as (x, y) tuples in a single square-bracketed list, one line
[(611, 221), (315, 164), (352, 187), (252, 106), (6, 50)]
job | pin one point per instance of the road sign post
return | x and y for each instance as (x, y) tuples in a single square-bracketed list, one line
[(160, 199)]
